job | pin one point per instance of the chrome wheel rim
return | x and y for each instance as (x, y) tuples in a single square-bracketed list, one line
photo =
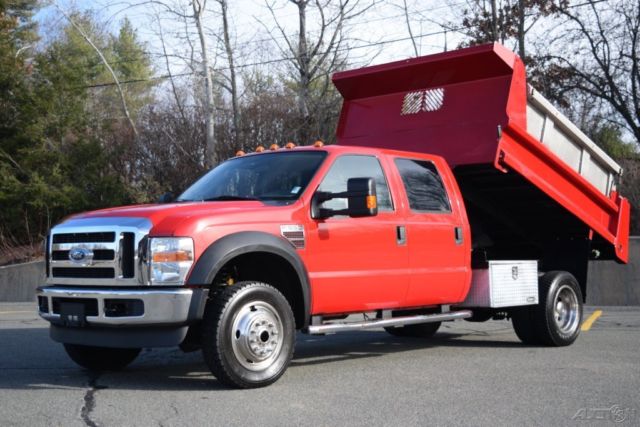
[(256, 335), (566, 312)]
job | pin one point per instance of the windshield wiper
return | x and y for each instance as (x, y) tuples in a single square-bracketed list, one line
[(227, 197)]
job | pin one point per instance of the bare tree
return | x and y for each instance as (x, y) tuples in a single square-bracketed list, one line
[(172, 82), (191, 13), (405, 9), (605, 40), (505, 20), (86, 37), (315, 59), (199, 7), (233, 86)]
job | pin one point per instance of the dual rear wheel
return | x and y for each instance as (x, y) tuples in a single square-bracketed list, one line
[(556, 319)]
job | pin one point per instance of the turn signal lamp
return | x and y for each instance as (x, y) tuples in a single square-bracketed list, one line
[(372, 203), (176, 256)]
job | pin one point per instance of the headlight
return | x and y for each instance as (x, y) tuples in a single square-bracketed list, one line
[(170, 259)]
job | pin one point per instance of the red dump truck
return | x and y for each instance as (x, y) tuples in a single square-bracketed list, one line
[(456, 191)]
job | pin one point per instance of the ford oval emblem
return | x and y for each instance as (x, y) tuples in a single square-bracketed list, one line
[(80, 255)]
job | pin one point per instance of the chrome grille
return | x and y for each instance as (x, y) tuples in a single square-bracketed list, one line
[(96, 251)]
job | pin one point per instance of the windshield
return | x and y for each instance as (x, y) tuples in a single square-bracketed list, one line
[(279, 177)]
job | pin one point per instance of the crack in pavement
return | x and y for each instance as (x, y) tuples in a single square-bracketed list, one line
[(90, 400), (162, 423)]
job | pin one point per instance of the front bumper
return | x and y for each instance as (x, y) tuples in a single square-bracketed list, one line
[(153, 307)]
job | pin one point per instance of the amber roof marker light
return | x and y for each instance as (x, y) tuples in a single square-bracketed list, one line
[(290, 145), (274, 147), (259, 149), (318, 144), (240, 153)]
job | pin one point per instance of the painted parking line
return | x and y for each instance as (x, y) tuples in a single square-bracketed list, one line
[(16, 312), (586, 325)]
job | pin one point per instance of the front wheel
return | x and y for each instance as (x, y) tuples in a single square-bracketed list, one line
[(101, 358), (248, 335), (556, 320)]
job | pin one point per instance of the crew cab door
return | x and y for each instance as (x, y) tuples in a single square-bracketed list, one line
[(356, 264), (437, 237)]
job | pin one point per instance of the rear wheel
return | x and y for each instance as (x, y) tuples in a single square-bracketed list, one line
[(556, 319), (421, 330), (248, 335), (101, 358)]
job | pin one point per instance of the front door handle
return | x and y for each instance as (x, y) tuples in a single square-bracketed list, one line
[(458, 235), (401, 235)]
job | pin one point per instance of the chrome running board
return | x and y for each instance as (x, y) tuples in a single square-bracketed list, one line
[(328, 328)]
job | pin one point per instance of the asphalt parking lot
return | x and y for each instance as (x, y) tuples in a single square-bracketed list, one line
[(469, 374)]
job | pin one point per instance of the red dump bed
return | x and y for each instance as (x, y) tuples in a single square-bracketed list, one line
[(472, 106)]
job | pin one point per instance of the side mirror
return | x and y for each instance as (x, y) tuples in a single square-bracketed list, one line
[(361, 200), (166, 198), (362, 197)]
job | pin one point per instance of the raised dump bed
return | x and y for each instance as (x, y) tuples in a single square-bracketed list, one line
[(535, 186)]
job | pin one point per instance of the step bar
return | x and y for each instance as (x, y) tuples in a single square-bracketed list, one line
[(329, 328)]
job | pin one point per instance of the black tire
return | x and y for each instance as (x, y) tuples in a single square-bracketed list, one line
[(524, 323), (421, 330), (556, 319), (248, 335), (101, 358)]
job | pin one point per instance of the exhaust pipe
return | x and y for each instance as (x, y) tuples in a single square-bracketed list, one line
[(383, 323)]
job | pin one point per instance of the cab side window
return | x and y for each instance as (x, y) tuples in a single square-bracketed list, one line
[(354, 166), (423, 185)]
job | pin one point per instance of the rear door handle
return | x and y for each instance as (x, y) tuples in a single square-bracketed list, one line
[(401, 235)]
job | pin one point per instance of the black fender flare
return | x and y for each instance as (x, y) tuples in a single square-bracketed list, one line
[(230, 246)]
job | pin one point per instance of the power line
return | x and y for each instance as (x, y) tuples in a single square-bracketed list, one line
[(350, 24), (273, 61)]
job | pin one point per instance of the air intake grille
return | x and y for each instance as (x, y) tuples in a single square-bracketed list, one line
[(104, 237), (294, 234), (84, 272)]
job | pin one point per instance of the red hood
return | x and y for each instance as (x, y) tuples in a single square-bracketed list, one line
[(167, 218)]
